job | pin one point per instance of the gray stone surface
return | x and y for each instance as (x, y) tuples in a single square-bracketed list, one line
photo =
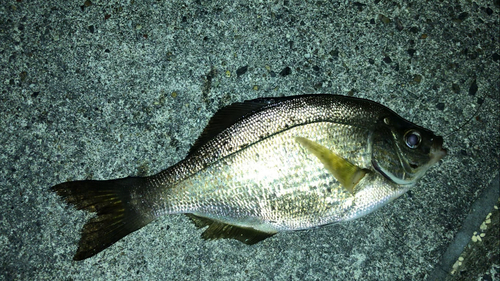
[(108, 89)]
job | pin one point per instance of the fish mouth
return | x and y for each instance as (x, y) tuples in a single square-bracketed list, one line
[(437, 150)]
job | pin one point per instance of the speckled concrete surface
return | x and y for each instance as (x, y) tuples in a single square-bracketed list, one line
[(108, 89)]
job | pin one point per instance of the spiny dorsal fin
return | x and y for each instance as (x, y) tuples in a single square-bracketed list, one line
[(344, 171), (223, 119), (231, 114), (220, 230)]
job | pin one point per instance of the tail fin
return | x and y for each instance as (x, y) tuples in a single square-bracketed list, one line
[(116, 215)]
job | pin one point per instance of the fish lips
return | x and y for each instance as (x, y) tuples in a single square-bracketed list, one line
[(437, 150)]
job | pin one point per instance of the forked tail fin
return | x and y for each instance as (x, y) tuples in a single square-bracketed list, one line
[(116, 216)]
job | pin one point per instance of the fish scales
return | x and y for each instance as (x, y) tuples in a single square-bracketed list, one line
[(263, 173), (276, 182), (265, 166), (288, 113)]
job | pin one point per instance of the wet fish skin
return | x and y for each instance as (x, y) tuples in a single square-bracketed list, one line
[(265, 166)]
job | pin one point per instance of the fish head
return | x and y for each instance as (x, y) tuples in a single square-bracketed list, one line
[(403, 151)]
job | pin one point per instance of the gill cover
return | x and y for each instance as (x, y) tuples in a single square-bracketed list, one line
[(403, 151)]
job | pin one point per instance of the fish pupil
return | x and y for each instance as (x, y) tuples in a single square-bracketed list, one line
[(412, 139)]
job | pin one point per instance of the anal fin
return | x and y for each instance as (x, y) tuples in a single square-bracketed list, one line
[(220, 230)]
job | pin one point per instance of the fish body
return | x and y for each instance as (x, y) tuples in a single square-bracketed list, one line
[(265, 166)]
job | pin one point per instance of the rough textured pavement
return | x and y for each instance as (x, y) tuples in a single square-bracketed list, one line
[(108, 89)]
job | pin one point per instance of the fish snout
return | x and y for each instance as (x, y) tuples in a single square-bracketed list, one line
[(437, 150)]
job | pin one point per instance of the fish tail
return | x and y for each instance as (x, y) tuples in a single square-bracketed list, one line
[(116, 214)]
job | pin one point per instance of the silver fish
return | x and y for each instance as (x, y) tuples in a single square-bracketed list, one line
[(265, 166)]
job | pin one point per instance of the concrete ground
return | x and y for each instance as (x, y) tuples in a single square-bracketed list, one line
[(109, 89)]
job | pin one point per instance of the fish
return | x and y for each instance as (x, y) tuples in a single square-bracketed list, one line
[(266, 166)]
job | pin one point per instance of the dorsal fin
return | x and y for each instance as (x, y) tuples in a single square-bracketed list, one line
[(231, 114), (226, 117)]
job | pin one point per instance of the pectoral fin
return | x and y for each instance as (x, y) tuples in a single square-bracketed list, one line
[(344, 171)]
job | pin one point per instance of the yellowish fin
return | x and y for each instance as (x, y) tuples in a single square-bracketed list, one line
[(220, 230), (344, 171)]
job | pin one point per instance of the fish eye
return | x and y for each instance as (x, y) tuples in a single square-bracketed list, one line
[(413, 138)]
